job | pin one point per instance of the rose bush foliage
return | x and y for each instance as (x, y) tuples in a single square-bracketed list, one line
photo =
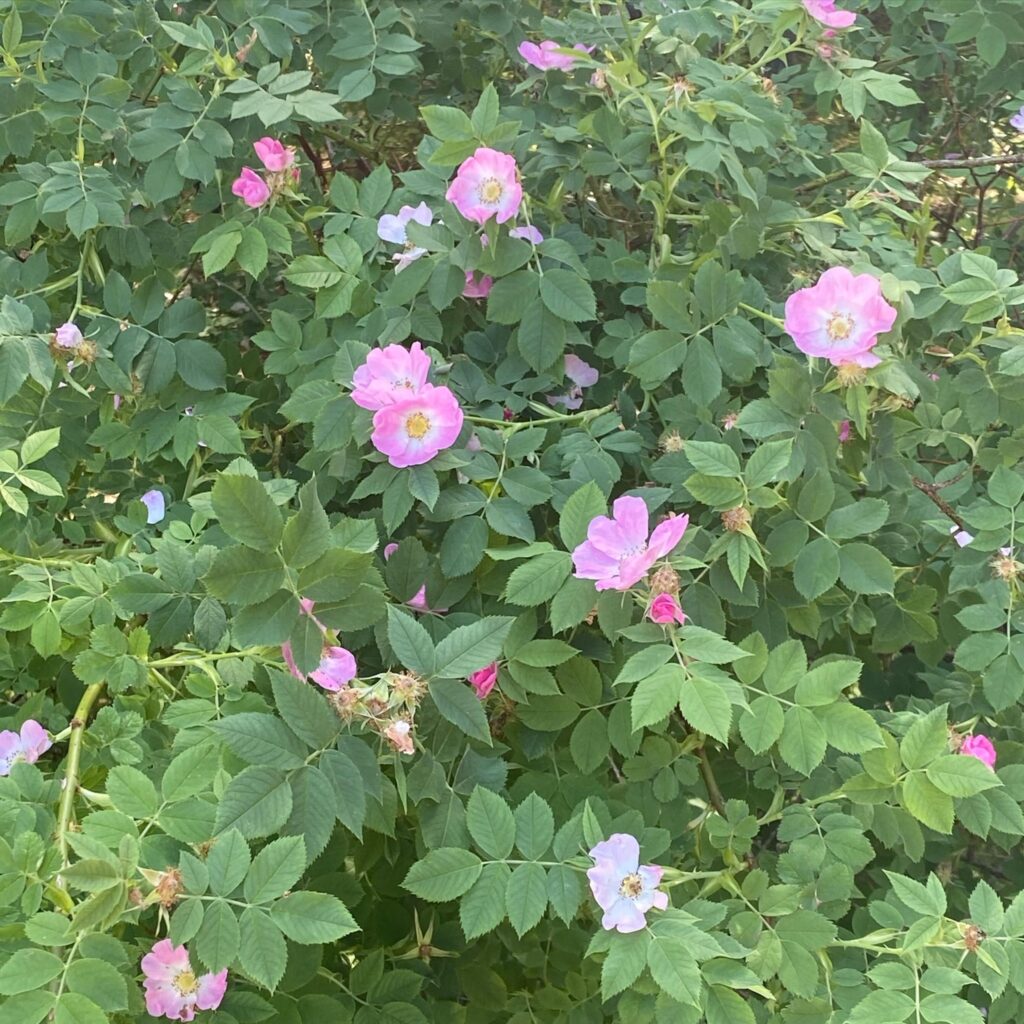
[(327, 681)]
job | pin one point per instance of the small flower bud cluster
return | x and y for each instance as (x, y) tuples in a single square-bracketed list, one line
[(387, 706)]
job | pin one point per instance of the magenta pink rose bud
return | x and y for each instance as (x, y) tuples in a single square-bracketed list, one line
[(477, 289), (273, 155), (665, 609), (981, 747), (251, 188), (483, 679)]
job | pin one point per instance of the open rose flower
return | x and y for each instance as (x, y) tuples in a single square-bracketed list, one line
[(582, 375), (250, 188), (477, 288), (624, 890), (413, 430), (68, 336), (980, 747), (156, 507), (273, 154), (617, 552), (825, 12), (840, 317), (392, 228), (483, 679), (545, 55), (664, 609), (337, 666), (173, 989), (28, 745), (486, 185), (389, 375)]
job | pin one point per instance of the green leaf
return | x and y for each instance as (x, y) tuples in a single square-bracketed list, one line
[(857, 519), (216, 944), (926, 739), (705, 645), (98, 981), (865, 570), (457, 703), (1005, 487), (262, 740), (410, 642), (348, 786), (132, 792), (490, 823), (261, 949), (305, 711), (539, 579), (526, 897), (307, 535), (625, 962), (582, 506), (802, 744), (568, 296), (816, 568), (565, 892), (443, 875), (243, 576), (191, 772), (482, 909), (26, 969), (928, 803), (712, 458), (706, 706), (228, 863), (960, 775), (246, 512), (826, 682), (672, 966), (257, 802), (469, 648), (723, 1006), (276, 868), (313, 917), (535, 827), (761, 724), (75, 1008)]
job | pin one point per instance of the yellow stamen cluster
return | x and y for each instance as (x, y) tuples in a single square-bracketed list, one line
[(672, 442), (1006, 567), (850, 374)]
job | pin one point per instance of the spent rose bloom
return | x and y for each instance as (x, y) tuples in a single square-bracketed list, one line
[(825, 12), (1017, 121), (173, 989), (337, 666), (389, 375), (68, 336), (28, 745), (483, 679), (624, 890), (665, 609), (962, 537), (545, 55), (617, 552), (392, 228), (844, 431), (840, 317), (486, 185), (528, 233), (250, 188), (477, 288), (412, 430), (273, 154), (399, 733), (980, 747), (156, 508)]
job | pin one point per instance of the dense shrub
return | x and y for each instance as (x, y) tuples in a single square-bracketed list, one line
[(332, 333)]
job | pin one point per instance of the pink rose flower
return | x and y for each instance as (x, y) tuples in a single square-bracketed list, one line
[(477, 289), (392, 228), (68, 336), (840, 317), (413, 430), (399, 734), (1017, 121), (825, 12), (980, 747), (844, 431), (486, 185), (528, 233), (390, 374), (617, 552), (156, 507), (250, 188), (273, 155), (665, 609), (336, 669), (545, 55), (173, 989), (624, 890), (582, 375), (29, 745), (483, 679)]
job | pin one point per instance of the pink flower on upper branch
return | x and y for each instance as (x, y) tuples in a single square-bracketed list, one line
[(273, 154), (389, 375), (477, 288), (392, 228), (825, 12), (545, 55)]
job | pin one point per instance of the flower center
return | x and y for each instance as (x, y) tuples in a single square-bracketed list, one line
[(490, 191), (840, 326), (417, 425), (632, 552), (631, 886), (185, 983)]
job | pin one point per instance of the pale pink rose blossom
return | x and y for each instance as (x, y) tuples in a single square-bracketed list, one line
[(1017, 121), (486, 185), (840, 317), (68, 336), (392, 228), (28, 745), (483, 679), (250, 188), (337, 666), (624, 890), (582, 375), (980, 747), (399, 733), (825, 12), (528, 233), (173, 989), (545, 55), (413, 430), (156, 507), (274, 155), (390, 374), (477, 288), (665, 609)]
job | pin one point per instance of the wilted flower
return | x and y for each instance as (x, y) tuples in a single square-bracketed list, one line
[(545, 55), (392, 228), (487, 185), (337, 668), (399, 734), (825, 12), (477, 289), (617, 552), (672, 442), (274, 155), (28, 745), (664, 609), (981, 747), (729, 420), (736, 519), (1005, 566), (173, 989), (413, 430), (155, 506), (389, 375), (840, 317), (528, 233), (483, 679), (250, 188), (624, 890), (68, 336), (408, 687)]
